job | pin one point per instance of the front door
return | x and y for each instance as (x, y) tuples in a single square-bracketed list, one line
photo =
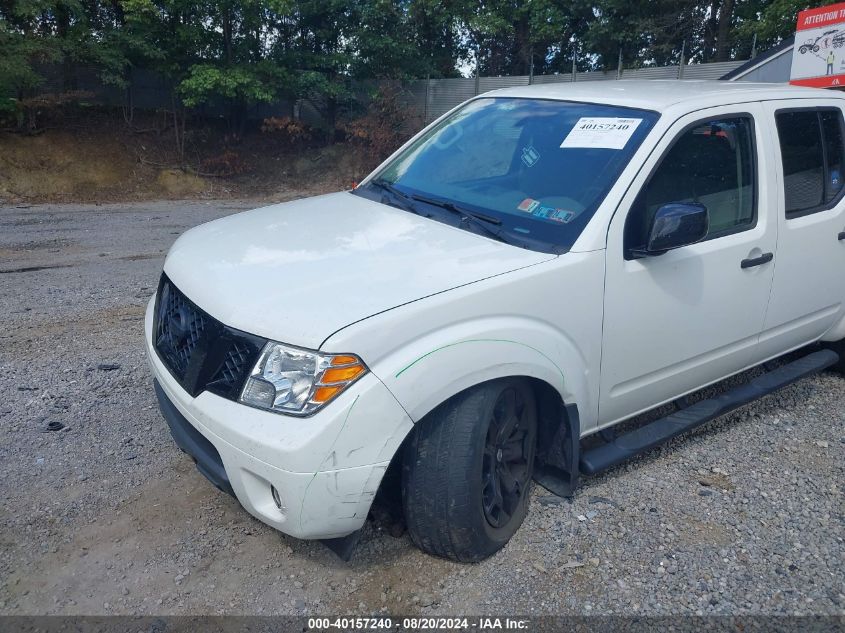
[(692, 316)]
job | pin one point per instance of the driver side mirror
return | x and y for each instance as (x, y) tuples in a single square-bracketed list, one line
[(675, 225)]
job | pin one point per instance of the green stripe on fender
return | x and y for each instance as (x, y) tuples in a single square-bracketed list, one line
[(480, 340)]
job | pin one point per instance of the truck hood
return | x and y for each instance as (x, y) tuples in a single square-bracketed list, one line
[(297, 272)]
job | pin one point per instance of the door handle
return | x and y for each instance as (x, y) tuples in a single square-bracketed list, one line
[(765, 258), (842, 236)]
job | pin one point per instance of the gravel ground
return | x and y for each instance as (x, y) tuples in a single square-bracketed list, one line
[(105, 516)]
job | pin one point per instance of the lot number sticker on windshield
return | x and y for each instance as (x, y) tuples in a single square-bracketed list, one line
[(601, 133)]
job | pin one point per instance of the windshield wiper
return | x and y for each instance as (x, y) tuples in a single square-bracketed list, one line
[(451, 206), (479, 220), (381, 183), (401, 199)]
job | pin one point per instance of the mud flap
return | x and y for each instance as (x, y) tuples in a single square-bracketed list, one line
[(560, 475), (344, 546)]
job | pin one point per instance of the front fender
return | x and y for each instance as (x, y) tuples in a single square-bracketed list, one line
[(430, 370), (542, 321)]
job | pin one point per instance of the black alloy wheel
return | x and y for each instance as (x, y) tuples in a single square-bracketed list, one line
[(508, 458), (466, 470)]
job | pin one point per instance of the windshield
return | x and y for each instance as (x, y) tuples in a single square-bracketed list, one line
[(531, 171)]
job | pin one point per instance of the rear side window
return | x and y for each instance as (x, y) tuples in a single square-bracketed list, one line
[(834, 150), (812, 151), (712, 163)]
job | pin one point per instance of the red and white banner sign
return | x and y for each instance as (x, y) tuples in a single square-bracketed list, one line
[(818, 57)]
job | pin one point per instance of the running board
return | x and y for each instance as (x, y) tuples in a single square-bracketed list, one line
[(655, 433)]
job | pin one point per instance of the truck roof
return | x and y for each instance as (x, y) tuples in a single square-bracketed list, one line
[(659, 95)]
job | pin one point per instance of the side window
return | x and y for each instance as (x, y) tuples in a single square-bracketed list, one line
[(712, 163), (833, 151), (811, 147)]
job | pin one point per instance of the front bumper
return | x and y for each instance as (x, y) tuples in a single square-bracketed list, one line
[(193, 443), (326, 468)]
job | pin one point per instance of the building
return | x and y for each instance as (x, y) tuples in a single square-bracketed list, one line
[(773, 66)]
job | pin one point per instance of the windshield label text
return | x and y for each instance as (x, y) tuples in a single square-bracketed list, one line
[(601, 133)]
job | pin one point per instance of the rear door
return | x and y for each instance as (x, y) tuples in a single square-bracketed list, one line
[(809, 282), (691, 316)]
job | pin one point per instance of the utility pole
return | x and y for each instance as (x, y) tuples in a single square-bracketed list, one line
[(574, 62), (754, 47), (619, 65), (683, 61)]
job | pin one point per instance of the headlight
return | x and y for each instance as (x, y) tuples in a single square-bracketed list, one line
[(297, 381)]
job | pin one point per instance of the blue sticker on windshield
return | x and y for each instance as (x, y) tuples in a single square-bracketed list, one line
[(555, 215), (530, 156), (535, 208)]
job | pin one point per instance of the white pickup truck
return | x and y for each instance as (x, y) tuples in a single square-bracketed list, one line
[(537, 266)]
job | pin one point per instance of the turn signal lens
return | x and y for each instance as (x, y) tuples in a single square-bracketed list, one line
[(324, 394), (341, 374)]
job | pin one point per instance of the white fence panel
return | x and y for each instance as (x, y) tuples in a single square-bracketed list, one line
[(441, 95), (710, 71), (553, 79), (654, 72), (445, 94)]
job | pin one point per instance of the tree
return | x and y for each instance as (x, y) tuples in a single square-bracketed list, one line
[(770, 20), (435, 28), (231, 56), (512, 37)]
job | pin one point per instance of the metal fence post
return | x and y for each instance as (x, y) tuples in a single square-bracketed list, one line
[(427, 95), (477, 72), (531, 68), (681, 65), (619, 65)]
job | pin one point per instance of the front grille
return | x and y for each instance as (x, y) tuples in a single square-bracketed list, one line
[(179, 328), (199, 351), (239, 361)]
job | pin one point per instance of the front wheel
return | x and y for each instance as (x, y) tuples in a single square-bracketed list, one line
[(467, 471)]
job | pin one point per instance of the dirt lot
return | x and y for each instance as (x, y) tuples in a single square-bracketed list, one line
[(104, 515)]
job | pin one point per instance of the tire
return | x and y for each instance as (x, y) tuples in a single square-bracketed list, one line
[(839, 348), (454, 464)]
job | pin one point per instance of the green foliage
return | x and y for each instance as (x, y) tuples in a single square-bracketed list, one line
[(770, 20), (16, 71), (245, 84), (238, 53)]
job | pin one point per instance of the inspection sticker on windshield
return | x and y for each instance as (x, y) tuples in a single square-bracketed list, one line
[(601, 133)]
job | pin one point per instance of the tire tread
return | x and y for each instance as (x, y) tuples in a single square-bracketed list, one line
[(438, 460)]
